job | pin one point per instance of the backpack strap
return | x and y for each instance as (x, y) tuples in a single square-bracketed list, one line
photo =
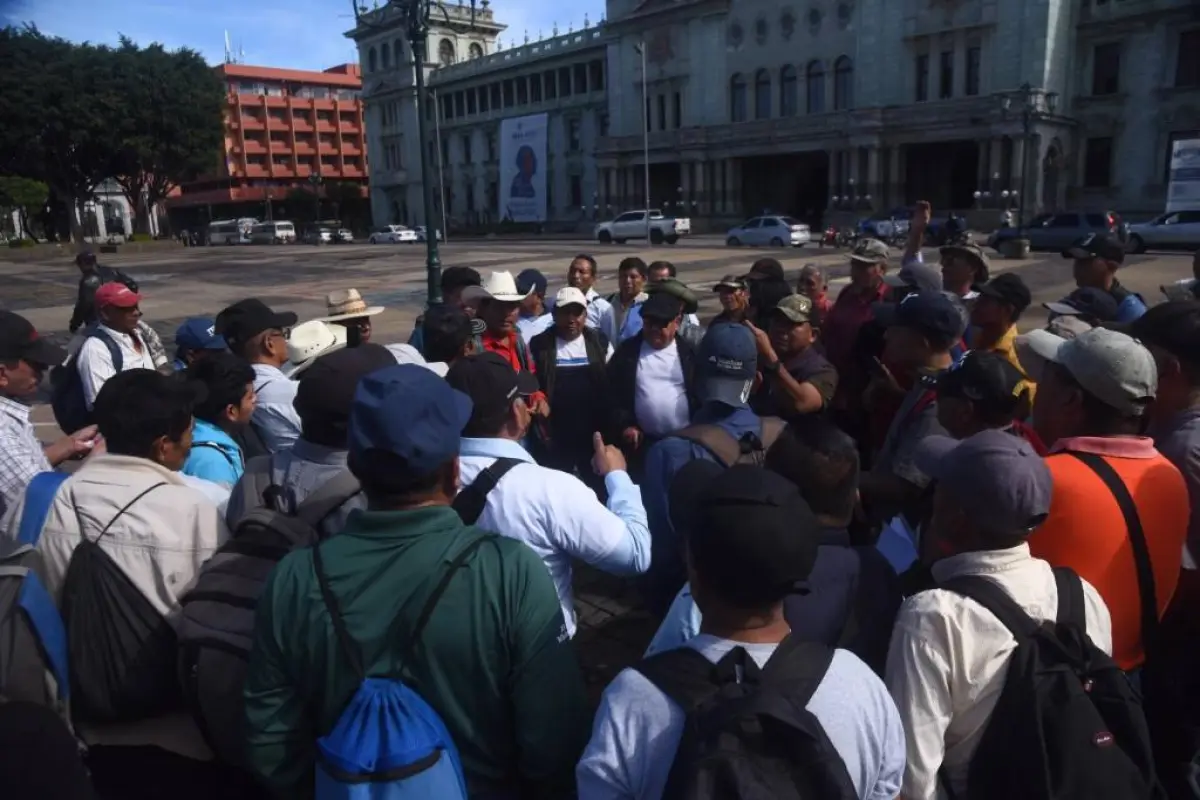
[(772, 429), (349, 647), (117, 516), (39, 496), (996, 600), (1137, 541), (1070, 598), (332, 495), (471, 501), (427, 610), (716, 440), (114, 351), (799, 665), (685, 676)]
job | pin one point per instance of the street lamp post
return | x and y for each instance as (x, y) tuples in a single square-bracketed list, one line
[(1033, 105), (416, 18), (315, 180), (641, 51)]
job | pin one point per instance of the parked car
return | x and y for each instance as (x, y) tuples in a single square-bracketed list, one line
[(887, 225), (392, 234), (1058, 230), (318, 236), (632, 225), (769, 231), (1175, 230), (343, 236), (273, 232), (423, 233)]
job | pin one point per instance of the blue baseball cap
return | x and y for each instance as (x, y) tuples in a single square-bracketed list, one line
[(410, 412), (932, 312), (726, 363), (199, 333)]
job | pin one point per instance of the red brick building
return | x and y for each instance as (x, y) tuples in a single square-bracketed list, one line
[(281, 127)]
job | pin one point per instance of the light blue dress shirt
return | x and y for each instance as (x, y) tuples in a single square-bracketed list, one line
[(559, 517), (275, 417)]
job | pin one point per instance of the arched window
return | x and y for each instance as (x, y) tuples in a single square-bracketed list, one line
[(815, 78), (762, 94), (843, 83), (446, 52), (476, 50), (372, 60), (385, 56), (788, 92), (737, 99)]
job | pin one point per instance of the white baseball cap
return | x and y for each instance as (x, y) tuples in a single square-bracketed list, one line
[(569, 295)]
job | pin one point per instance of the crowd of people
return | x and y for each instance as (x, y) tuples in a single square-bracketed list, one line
[(895, 547)]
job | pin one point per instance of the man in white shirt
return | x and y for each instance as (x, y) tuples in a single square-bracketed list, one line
[(949, 656), (651, 378), (582, 276), (553, 512), (754, 539), (119, 314), (534, 316), (259, 335)]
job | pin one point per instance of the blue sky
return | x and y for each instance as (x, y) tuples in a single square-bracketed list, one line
[(301, 34)]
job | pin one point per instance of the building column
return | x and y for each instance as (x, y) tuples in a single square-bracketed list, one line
[(874, 183), (735, 189), (1018, 158), (995, 164), (685, 182)]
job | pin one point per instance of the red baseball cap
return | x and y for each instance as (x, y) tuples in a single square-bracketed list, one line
[(116, 294)]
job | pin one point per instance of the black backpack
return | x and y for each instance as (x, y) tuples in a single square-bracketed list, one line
[(749, 735), (66, 387), (216, 622), (727, 451), (121, 649), (1067, 723)]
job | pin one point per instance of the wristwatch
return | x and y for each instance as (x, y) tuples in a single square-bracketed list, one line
[(770, 368)]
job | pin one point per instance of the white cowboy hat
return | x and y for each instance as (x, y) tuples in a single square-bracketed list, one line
[(500, 286), (309, 341), (348, 304)]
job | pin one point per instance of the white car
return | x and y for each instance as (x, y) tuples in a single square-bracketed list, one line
[(769, 231), (633, 225), (1176, 230), (392, 234), (422, 233)]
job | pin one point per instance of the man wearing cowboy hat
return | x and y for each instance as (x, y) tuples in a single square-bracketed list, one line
[(499, 304), (347, 308), (308, 342)]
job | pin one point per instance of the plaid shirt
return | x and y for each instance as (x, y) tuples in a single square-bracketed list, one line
[(21, 454)]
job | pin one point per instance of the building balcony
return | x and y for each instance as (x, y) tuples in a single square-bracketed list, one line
[(250, 123), (254, 146), (301, 125), (352, 172), (279, 124), (257, 171)]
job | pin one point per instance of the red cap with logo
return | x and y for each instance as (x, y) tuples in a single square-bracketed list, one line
[(116, 294)]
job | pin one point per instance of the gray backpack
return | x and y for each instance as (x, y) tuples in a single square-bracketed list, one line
[(216, 623)]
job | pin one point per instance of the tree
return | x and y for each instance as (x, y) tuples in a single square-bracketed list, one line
[(300, 206), (61, 114), (172, 128), (25, 195)]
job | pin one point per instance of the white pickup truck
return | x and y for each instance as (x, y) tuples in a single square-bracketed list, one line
[(632, 225)]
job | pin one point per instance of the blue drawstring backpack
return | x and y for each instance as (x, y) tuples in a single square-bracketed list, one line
[(388, 744)]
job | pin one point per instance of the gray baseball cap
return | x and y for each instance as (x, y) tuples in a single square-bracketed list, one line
[(919, 276), (995, 474), (1111, 366), (870, 251)]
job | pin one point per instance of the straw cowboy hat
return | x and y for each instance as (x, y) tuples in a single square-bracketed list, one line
[(500, 286), (348, 304), (309, 341)]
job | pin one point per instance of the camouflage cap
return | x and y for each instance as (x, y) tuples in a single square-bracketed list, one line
[(797, 308), (871, 251), (970, 250)]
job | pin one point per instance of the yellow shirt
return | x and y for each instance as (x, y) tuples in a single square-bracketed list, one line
[(1006, 346)]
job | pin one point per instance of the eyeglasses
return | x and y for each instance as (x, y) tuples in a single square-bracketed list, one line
[(286, 333)]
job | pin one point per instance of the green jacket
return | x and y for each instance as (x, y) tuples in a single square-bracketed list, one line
[(495, 660)]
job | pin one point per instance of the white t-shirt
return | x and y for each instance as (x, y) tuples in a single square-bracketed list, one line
[(637, 729), (660, 401), (574, 353)]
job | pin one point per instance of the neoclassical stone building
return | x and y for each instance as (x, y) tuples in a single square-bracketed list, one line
[(806, 105)]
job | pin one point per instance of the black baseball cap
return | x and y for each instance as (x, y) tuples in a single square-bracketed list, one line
[(1173, 326), (19, 341), (765, 269), (1007, 287), (932, 312), (984, 378), (492, 384), (1094, 305), (753, 538), (459, 277), (245, 319), (326, 389), (662, 306), (531, 280), (1097, 245)]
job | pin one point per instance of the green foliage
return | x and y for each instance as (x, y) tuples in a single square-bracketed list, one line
[(140, 237), (21, 244), (76, 114), (23, 193)]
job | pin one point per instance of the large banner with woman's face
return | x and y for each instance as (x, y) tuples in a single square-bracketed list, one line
[(523, 168)]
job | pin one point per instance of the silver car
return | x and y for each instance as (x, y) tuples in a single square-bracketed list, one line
[(1059, 230), (1175, 230), (769, 231)]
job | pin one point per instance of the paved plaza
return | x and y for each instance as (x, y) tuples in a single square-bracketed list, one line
[(613, 630)]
